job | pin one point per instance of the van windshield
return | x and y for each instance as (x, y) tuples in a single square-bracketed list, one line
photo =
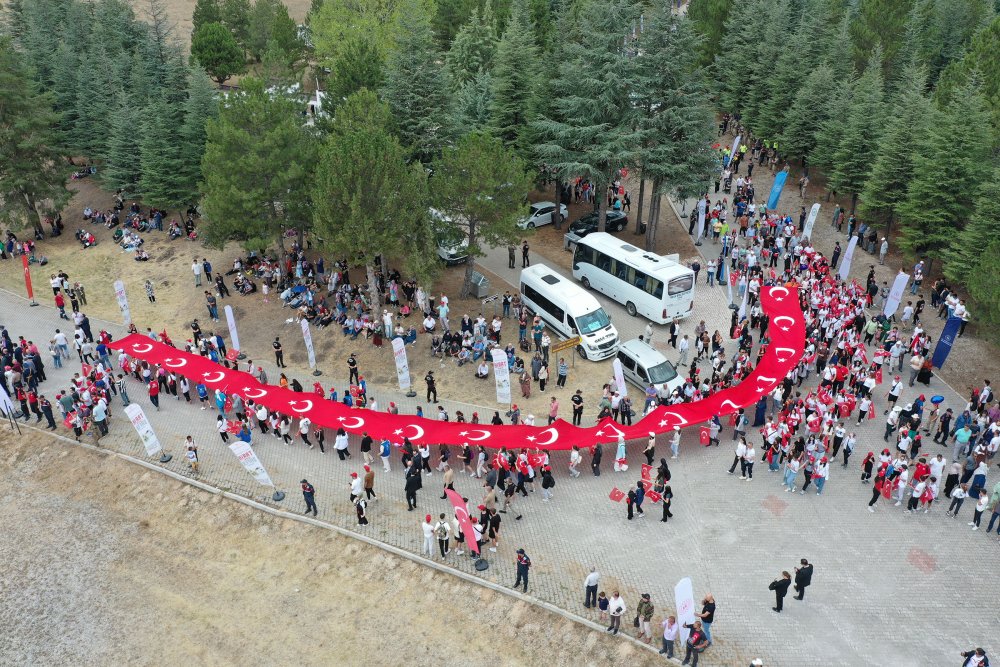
[(662, 373), (592, 322)]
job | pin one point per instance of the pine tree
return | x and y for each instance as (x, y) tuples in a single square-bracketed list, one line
[(160, 159), (812, 108), (363, 182), (852, 161), (760, 84), (514, 78), (200, 107), (831, 130), (122, 166), (449, 17), (892, 167), (881, 24), (947, 174), (416, 86), (985, 290), (778, 88), (31, 174), (270, 26), (236, 17), (257, 169), (983, 58), (89, 136), (217, 51), (736, 66), (206, 11), (473, 102), (709, 17), (962, 258), (358, 65), (473, 48), (480, 185), (593, 131), (677, 126)]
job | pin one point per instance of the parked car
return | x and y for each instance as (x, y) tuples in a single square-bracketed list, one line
[(614, 221), (643, 365), (540, 213), (450, 249)]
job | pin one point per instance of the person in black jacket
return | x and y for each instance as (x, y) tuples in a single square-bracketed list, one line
[(413, 483), (595, 462), (803, 577), (780, 588)]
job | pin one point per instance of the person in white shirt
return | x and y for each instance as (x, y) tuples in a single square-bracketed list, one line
[(980, 508), (574, 461), (616, 607), (428, 529), (357, 490), (683, 345), (741, 451), (340, 443), (670, 628), (749, 458), (304, 425), (590, 588), (904, 477)]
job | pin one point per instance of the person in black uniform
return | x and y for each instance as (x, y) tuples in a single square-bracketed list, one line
[(577, 401), (413, 483), (780, 588), (803, 577), (309, 493), (279, 355), (352, 366), (431, 387)]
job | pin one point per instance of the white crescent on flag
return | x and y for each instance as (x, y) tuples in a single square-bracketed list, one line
[(213, 377), (168, 362), (141, 349), (309, 406), (259, 392), (779, 318), (468, 434), (418, 431), (554, 433), (359, 422)]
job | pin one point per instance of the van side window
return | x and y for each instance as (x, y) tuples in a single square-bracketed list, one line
[(627, 361), (642, 373), (556, 313), (654, 287), (603, 262), (572, 324)]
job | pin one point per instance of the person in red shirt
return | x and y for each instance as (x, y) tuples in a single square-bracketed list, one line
[(154, 393), (61, 305)]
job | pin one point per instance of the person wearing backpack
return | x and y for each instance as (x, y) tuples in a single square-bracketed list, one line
[(740, 427), (442, 530)]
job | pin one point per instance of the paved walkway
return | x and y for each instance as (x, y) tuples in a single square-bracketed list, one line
[(919, 579)]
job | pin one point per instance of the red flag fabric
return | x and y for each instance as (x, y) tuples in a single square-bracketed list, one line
[(228, 405), (234, 427), (462, 515), (787, 335), (616, 495), (27, 277), (535, 460), (86, 370), (653, 496), (647, 471), (500, 461), (878, 375), (231, 354), (703, 435)]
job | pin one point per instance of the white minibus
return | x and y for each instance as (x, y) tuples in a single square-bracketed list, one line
[(570, 311), (656, 287)]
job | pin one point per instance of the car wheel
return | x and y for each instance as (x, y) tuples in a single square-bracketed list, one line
[(630, 308), (586, 282), (531, 225), (581, 351)]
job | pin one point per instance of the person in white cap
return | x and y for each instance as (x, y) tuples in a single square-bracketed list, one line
[(675, 442), (883, 251)]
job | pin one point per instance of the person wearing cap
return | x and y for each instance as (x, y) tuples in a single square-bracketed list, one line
[(309, 494), (675, 442), (644, 614), (883, 250), (356, 486), (523, 565), (428, 529)]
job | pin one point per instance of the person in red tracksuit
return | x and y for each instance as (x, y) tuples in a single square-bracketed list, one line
[(154, 393)]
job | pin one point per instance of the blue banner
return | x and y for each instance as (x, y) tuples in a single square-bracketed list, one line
[(779, 183), (946, 340)]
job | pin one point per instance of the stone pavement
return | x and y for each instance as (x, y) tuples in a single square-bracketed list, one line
[(919, 578)]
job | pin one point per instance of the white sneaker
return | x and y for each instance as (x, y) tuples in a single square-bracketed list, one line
[(872, 510), (743, 477), (971, 523), (926, 511), (897, 505), (493, 549), (975, 528)]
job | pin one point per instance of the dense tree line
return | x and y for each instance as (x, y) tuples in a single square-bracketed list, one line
[(894, 102)]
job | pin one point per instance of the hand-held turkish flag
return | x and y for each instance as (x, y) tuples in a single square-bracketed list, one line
[(653, 496), (462, 515), (703, 436), (616, 495), (646, 471), (86, 369), (878, 375)]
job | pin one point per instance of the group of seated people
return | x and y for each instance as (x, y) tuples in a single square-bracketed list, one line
[(128, 241), (85, 238), (244, 285)]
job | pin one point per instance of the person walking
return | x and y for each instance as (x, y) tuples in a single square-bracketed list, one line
[(309, 494), (369, 484), (431, 387), (384, 452), (412, 485), (780, 588), (523, 562), (616, 608), (590, 588), (150, 292), (524, 254), (196, 269), (442, 530), (279, 355), (803, 578)]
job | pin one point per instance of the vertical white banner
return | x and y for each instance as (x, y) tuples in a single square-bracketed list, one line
[(684, 600), (402, 365), (6, 405), (501, 372), (845, 263), (702, 206), (248, 458), (307, 337), (143, 428), (811, 221), (123, 301), (736, 147), (616, 366), (743, 305), (895, 294), (233, 336)]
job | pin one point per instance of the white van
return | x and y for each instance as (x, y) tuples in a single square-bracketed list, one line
[(643, 365), (452, 244), (570, 311)]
